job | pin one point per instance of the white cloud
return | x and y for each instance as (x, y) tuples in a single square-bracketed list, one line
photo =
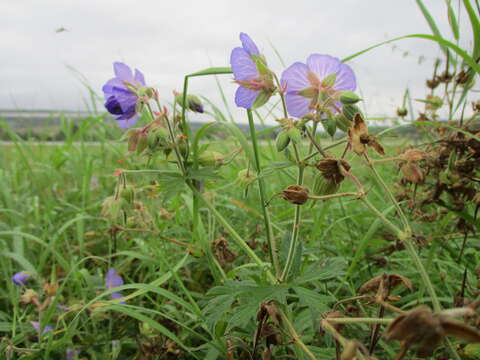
[(168, 39)]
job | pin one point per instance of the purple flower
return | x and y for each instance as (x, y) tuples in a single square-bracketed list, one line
[(20, 278), (316, 85), (71, 354), (120, 99), (36, 326), (251, 73), (113, 280)]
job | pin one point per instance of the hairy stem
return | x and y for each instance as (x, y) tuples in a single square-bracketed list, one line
[(272, 244)]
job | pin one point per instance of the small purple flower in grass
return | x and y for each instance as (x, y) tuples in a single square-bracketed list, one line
[(121, 98), (36, 326), (71, 354), (20, 278), (252, 74), (113, 280), (316, 85)]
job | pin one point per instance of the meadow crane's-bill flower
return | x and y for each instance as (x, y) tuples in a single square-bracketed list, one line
[(113, 280), (36, 326), (316, 85), (20, 278), (120, 94), (252, 74)]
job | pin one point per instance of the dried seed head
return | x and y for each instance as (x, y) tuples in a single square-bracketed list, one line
[(402, 112), (50, 289), (426, 330), (359, 138), (412, 173), (28, 296), (433, 83), (296, 194), (223, 254), (333, 169)]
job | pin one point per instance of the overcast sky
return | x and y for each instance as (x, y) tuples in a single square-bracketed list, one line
[(168, 39)]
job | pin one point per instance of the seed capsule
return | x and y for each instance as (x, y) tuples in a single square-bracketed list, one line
[(349, 97)]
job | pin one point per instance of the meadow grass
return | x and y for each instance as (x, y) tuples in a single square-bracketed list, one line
[(51, 226)]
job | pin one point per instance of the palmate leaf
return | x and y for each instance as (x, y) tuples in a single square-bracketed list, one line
[(247, 295), (332, 268)]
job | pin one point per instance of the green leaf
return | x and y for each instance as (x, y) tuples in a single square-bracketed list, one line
[(212, 71), (432, 24), (475, 22), (452, 20), (462, 53), (332, 268), (318, 302)]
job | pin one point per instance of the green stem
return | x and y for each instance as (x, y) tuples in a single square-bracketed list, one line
[(389, 194), (382, 217), (272, 244), (172, 136), (360, 320), (296, 338), (296, 222), (236, 237)]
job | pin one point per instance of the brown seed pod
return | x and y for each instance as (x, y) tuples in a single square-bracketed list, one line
[(296, 194)]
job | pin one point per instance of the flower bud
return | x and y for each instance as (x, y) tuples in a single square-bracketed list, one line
[(330, 125), (245, 177), (295, 135), (349, 97), (111, 207), (432, 84), (402, 112), (282, 141), (350, 111), (210, 158), (193, 103), (434, 102), (342, 122), (157, 137), (128, 193), (296, 194)]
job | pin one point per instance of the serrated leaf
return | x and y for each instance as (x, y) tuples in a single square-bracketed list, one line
[(332, 268)]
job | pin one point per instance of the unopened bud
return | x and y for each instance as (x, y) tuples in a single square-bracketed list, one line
[(295, 135), (192, 102), (402, 112), (296, 194), (432, 84), (282, 141), (342, 122), (350, 111), (128, 193), (330, 125), (245, 177), (111, 207), (210, 158), (349, 97)]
